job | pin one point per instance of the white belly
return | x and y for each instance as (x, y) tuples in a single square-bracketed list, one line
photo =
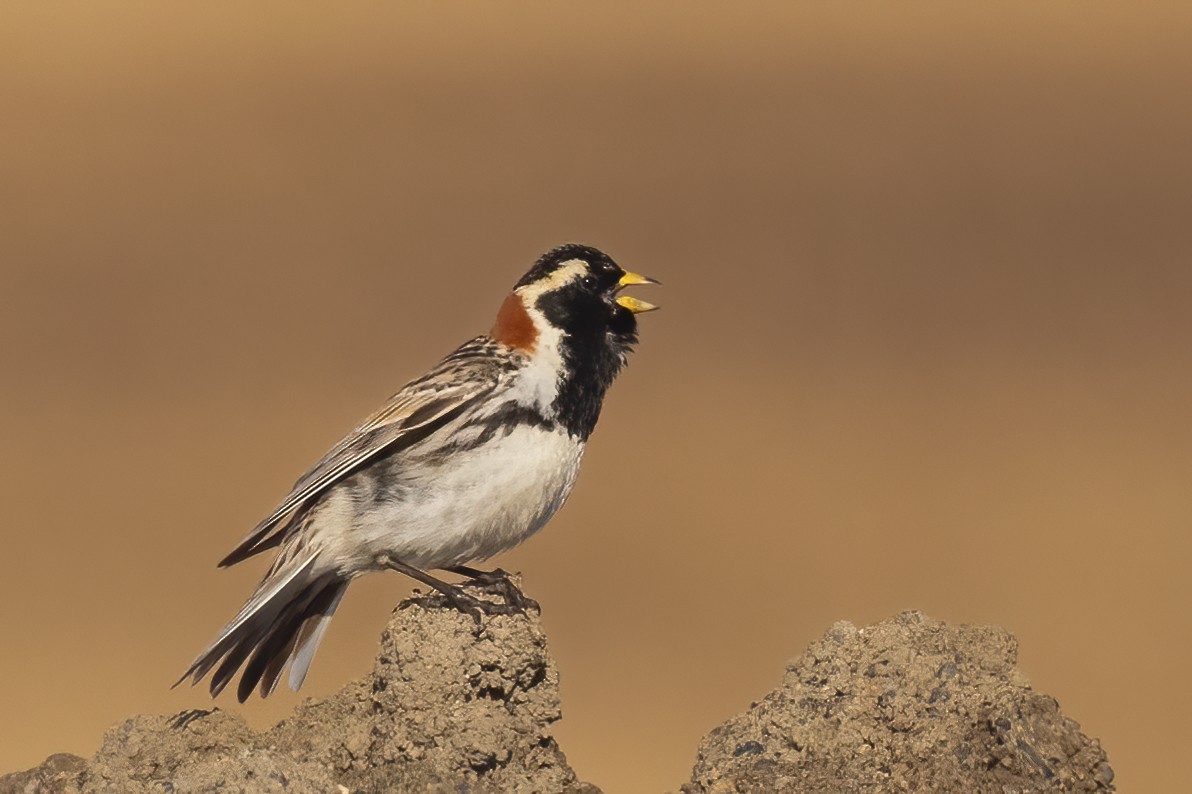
[(469, 507)]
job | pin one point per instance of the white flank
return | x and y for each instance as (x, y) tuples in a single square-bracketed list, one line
[(475, 504)]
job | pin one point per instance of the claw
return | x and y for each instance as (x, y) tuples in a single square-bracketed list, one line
[(499, 582)]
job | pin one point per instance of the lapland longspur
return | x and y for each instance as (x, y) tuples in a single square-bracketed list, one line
[(466, 461)]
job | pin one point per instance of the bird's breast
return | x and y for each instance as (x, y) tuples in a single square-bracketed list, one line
[(468, 504)]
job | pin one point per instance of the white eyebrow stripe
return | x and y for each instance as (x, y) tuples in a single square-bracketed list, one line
[(565, 273)]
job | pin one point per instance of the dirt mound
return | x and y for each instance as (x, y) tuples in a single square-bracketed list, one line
[(447, 707), (909, 704)]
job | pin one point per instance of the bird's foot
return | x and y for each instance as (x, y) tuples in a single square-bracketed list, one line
[(490, 582), (499, 583), (477, 608)]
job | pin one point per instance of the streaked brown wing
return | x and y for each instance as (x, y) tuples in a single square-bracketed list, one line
[(457, 383)]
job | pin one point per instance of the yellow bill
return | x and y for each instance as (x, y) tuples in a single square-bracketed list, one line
[(633, 304), (633, 279)]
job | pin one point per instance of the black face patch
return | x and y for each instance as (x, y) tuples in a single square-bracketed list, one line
[(597, 333), (597, 336)]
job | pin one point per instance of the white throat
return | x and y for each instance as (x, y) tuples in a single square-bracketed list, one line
[(538, 383)]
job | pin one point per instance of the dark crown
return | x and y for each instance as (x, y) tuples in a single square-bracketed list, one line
[(550, 261)]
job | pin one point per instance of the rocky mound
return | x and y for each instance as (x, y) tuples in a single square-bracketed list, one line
[(909, 704), (449, 706)]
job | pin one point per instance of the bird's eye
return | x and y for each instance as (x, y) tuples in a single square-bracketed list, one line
[(589, 282)]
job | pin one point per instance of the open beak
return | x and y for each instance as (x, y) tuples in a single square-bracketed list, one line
[(633, 304)]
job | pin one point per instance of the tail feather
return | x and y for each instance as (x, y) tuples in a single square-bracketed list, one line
[(271, 596), (275, 625), (309, 639), (276, 650), (265, 652), (232, 662), (273, 669), (278, 588)]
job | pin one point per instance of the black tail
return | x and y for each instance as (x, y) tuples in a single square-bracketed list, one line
[(282, 623)]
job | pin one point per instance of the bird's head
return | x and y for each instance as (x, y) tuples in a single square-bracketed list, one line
[(574, 290), (568, 316)]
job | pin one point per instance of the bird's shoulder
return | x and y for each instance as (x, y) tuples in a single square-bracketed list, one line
[(469, 377), (474, 372)]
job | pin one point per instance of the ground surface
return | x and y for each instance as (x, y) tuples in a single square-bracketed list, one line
[(906, 705), (447, 707), (909, 704)]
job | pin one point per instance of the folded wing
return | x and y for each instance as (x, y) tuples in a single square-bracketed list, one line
[(457, 384)]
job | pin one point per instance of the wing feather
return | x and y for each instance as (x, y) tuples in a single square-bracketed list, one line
[(455, 385)]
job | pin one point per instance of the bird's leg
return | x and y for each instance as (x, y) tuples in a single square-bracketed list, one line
[(499, 581), (455, 596), (480, 577)]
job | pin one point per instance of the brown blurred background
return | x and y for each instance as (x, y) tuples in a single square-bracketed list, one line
[(925, 339)]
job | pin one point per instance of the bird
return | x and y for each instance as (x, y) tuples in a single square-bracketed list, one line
[(462, 463)]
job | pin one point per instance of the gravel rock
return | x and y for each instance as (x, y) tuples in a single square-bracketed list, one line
[(907, 705), (448, 706)]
